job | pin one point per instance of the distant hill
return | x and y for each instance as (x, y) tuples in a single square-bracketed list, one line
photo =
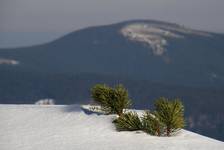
[(151, 58), (149, 50)]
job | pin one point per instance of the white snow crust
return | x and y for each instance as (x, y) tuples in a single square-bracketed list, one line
[(57, 127)]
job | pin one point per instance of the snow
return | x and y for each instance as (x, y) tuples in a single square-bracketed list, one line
[(156, 35), (47, 101), (8, 61), (61, 127)]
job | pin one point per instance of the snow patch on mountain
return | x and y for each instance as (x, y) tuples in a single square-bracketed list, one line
[(156, 35), (4, 61)]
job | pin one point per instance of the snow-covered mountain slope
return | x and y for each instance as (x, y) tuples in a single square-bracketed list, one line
[(156, 34), (32, 127)]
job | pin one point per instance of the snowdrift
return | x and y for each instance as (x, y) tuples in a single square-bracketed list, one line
[(54, 127)]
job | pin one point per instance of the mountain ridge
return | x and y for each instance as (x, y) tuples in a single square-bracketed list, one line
[(119, 24), (108, 44)]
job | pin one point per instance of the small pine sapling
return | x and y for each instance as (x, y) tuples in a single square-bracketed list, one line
[(111, 100), (170, 113), (128, 122), (151, 124)]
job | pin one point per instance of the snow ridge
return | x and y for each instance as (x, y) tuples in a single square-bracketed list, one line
[(60, 127)]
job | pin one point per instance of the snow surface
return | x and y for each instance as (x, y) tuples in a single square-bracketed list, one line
[(156, 35), (54, 127)]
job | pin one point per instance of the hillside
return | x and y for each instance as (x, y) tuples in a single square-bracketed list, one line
[(146, 50), (26, 127)]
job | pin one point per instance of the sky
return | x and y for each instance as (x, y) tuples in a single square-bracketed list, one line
[(48, 19)]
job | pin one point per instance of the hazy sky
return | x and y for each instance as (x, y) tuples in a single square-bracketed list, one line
[(64, 16)]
